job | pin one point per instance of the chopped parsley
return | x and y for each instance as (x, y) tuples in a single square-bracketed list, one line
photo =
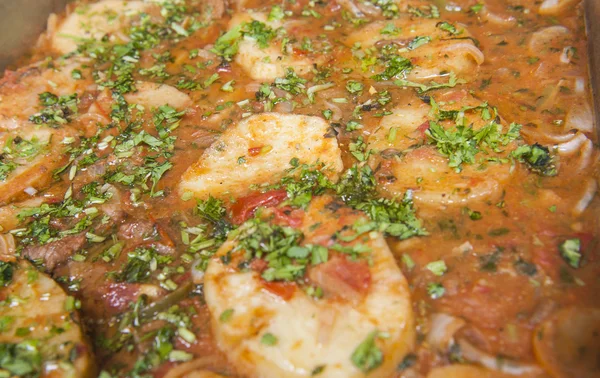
[(435, 290), (394, 66), (570, 251), (56, 110), (422, 88), (367, 356), (389, 8), (141, 262), (22, 360), (260, 32), (357, 189), (537, 158), (437, 267), (227, 45), (213, 211), (462, 143), (268, 339), (290, 83), (6, 273), (226, 315)]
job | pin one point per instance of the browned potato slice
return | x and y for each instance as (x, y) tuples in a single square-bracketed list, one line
[(43, 327)]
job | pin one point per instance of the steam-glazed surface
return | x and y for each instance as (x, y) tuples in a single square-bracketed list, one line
[(331, 188), (261, 147), (312, 333)]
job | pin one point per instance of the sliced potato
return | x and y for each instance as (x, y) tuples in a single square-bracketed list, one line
[(270, 62), (152, 95), (20, 90), (30, 154), (308, 335), (43, 329), (406, 162), (258, 150), (568, 343), (433, 57), (93, 21)]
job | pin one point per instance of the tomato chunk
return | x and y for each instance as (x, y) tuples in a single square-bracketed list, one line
[(289, 216), (284, 290), (342, 277), (244, 208)]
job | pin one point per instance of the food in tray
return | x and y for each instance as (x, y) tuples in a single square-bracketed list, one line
[(344, 188)]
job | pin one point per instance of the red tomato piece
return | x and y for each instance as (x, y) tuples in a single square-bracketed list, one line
[(254, 151), (342, 277), (284, 290), (289, 216), (244, 208)]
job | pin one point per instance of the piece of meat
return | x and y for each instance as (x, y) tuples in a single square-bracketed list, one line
[(57, 252), (136, 231)]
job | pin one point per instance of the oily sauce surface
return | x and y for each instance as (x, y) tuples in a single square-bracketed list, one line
[(503, 241)]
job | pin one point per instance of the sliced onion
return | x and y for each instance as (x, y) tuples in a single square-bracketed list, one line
[(462, 249), (554, 138), (506, 366), (564, 56), (466, 48), (93, 117), (197, 273), (567, 343), (442, 330), (555, 7), (350, 6), (7, 248), (588, 195), (579, 85), (548, 97), (284, 107), (542, 38), (204, 137), (206, 54), (252, 87), (317, 88), (30, 190), (195, 369), (586, 153), (580, 117), (122, 37), (337, 112), (497, 19), (368, 8), (572, 146)]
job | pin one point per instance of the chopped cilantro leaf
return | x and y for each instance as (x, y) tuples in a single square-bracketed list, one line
[(6, 273), (141, 262), (22, 360), (422, 88), (435, 290), (57, 110), (268, 339), (395, 66), (367, 356), (570, 251), (537, 158), (291, 83), (437, 267), (227, 44), (260, 32), (389, 8)]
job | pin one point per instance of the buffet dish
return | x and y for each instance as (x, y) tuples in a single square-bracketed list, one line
[(299, 188)]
